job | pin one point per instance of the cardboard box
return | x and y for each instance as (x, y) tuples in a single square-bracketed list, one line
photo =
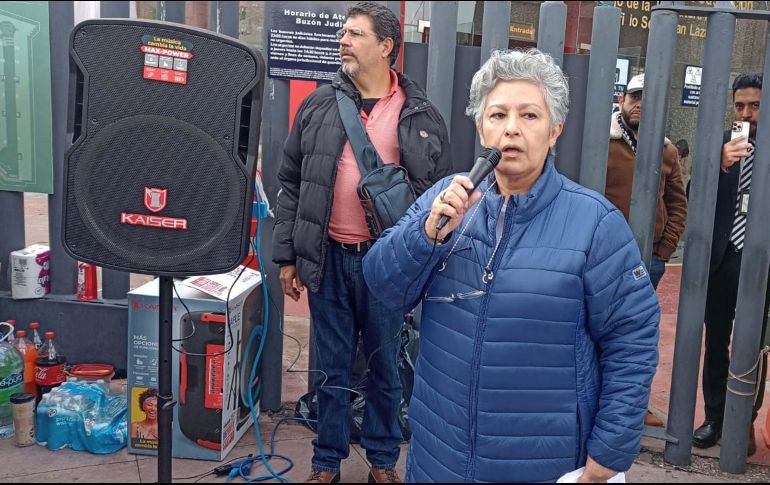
[(30, 272), (210, 415)]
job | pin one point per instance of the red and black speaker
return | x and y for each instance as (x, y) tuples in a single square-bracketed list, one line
[(205, 390), (164, 124), (201, 378)]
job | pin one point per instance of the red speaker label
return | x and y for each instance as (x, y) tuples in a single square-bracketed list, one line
[(153, 221), (165, 61), (165, 75), (215, 365), (148, 49)]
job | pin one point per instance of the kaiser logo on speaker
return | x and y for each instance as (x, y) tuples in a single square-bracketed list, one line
[(155, 199)]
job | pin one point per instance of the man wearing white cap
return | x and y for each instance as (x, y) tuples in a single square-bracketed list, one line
[(671, 211)]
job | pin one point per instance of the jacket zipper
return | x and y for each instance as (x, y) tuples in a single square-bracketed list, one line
[(580, 436), (325, 241), (476, 363)]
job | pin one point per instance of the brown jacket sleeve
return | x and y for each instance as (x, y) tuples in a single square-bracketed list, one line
[(676, 204)]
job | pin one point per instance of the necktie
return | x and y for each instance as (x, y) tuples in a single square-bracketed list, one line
[(738, 233)]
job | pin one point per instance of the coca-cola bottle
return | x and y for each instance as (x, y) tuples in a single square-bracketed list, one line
[(36, 340), (49, 366)]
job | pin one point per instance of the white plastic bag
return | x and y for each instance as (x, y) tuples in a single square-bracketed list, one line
[(572, 477)]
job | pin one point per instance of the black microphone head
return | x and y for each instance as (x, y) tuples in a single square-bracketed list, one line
[(492, 154)]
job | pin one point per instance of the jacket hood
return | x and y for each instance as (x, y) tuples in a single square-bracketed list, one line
[(616, 132)]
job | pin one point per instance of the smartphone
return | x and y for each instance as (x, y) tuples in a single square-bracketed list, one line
[(740, 128)]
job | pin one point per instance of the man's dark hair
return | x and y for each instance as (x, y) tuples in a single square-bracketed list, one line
[(683, 148), (385, 23), (745, 81), (152, 392)]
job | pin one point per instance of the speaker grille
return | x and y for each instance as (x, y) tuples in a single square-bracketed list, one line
[(116, 89), (138, 134)]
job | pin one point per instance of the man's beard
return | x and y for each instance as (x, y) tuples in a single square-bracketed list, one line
[(351, 69), (633, 125)]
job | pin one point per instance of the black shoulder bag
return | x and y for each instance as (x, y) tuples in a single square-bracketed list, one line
[(384, 191)]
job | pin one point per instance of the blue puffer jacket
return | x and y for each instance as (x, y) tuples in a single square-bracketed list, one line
[(554, 361)]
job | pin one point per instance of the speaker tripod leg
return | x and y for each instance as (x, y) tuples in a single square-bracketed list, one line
[(166, 401)]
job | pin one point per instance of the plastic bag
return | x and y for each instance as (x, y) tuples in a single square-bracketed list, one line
[(307, 406), (573, 476), (82, 416)]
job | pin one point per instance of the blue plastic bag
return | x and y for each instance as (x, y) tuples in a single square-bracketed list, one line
[(82, 416)]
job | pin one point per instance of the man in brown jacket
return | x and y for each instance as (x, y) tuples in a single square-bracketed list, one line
[(671, 211)]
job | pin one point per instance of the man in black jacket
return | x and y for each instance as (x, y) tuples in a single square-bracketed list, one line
[(321, 235), (726, 250)]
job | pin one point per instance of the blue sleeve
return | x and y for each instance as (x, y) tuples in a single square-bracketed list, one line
[(623, 315), (400, 263)]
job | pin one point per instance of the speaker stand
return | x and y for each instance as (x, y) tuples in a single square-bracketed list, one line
[(166, 401)]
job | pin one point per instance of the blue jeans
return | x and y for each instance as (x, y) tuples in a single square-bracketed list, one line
[(657, 268), (343, 307)]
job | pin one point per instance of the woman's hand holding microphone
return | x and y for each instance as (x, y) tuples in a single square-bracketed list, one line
[(452, 202)]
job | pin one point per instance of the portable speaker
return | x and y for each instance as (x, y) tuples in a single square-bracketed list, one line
[(201, 378), (204, 387), (164, 124)]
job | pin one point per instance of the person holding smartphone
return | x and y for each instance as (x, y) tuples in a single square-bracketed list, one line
[(726, 250)]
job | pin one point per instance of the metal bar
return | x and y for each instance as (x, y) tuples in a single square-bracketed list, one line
[(166, 401), (115, 284), (462, 130), (229, 19), (214, 16), (700, 226), (12, 209), (661, 50), (707, 12), (750, 312), (441, 56), (114, 10), (552, 29), (63, 268), (395, 7), (174, 11), (275, 129), (494, 29), (570, 143), (659, 433), (601, 80)]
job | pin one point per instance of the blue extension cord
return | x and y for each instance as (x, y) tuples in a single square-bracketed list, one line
[(243, 467)]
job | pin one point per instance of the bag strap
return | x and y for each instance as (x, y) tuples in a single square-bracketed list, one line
[(367, 157)]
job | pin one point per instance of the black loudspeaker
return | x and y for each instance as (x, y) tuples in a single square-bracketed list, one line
[(164, 124)]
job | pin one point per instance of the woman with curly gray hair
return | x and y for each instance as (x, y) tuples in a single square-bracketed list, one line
[(540, 326)]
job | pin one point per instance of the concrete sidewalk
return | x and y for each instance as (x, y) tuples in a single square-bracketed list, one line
[(37, 464)]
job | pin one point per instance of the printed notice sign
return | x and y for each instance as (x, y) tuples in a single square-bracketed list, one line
[(302, 41), (691, 88)]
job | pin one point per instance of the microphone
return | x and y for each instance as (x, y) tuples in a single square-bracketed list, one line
[(485, 163)]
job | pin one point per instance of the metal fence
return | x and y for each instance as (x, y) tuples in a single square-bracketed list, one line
[(585, 139), (582, 154)]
